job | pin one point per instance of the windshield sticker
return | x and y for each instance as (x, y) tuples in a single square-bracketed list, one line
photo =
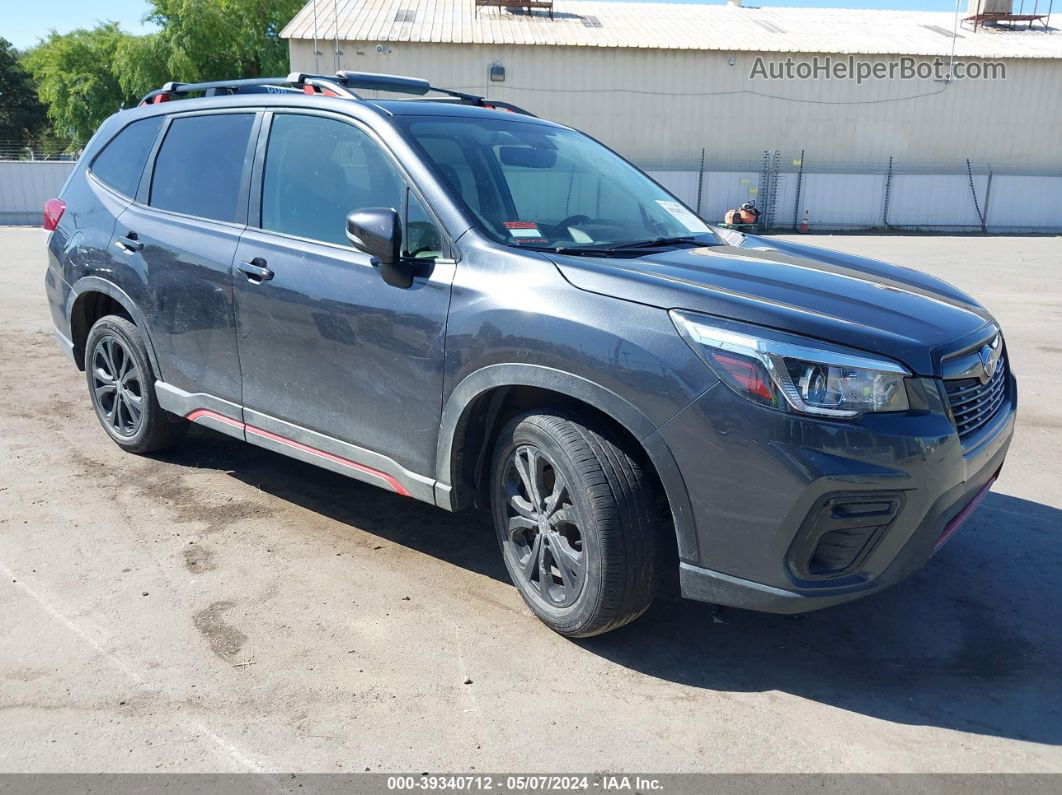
[(524, 231), (683, 216)]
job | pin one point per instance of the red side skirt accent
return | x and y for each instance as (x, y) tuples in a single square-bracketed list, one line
[(195, 416), (964, 514), (393, 484)]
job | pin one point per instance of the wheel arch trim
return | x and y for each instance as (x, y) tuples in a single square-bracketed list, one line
[(458, 406), (95, 284)]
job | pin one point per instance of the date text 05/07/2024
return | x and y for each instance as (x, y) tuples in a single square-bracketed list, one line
[(524, 783)]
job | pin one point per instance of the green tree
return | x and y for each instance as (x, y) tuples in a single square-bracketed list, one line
[(211, 40), (86, 75), (75, 76), (22, 116), (141, 64)]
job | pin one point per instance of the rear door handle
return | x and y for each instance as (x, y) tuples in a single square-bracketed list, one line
[(130, 243), (255, 270)]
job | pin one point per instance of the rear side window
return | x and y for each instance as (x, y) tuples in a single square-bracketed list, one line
[(121, 162), (199, 167)]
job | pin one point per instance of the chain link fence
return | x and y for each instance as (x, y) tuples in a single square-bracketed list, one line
[(38, 150)]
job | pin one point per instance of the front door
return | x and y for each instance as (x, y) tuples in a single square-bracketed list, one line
[(334, 360)]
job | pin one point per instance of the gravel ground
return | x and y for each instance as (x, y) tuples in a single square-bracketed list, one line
[(223, 608)]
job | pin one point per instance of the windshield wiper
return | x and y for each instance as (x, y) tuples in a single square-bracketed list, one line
[(608, 249), (586, 251), (656, 242)]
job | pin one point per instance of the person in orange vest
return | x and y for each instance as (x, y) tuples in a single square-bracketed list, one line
[(746, 214)]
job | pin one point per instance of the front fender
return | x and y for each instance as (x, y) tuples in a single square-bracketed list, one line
[(457, 409)]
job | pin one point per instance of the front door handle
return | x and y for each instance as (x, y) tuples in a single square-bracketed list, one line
[(255, 270), (130, 243)]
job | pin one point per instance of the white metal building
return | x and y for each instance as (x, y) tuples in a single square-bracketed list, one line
[(662, 82)]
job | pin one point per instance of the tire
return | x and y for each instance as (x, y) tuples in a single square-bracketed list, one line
[(591, 539), (121, 387)]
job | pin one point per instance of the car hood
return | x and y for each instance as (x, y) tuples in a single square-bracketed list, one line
[(863, 303)]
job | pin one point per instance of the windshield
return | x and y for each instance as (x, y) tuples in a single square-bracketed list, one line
[(538, 186)]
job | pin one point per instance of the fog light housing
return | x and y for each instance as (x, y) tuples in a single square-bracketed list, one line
[(840, 532)]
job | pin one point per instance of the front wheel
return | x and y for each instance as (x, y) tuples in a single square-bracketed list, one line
[(573, 513)]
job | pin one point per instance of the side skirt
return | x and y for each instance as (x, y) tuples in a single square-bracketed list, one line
[(296, 442)]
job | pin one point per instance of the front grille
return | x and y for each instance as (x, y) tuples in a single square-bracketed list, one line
[(974, 404)]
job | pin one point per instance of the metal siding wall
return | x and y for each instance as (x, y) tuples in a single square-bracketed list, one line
[(724, 190), (25, 186), (682, 183), (1011, 124), (615, 95)]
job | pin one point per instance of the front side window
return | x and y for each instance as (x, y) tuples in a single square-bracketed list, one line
[(199, 167), (121, 162), (319, 170), (540, 186)]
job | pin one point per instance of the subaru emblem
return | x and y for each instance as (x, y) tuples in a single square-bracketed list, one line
[(989, 356)]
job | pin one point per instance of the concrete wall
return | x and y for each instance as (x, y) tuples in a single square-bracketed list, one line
[(917, 202), (659, 108), (26, 185)]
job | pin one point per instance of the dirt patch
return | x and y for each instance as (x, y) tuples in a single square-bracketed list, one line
[(199, 559), (225, 640), (153, 481), (35, 351)]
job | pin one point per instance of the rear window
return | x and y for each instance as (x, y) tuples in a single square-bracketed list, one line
[(199, 167), (121, 162)]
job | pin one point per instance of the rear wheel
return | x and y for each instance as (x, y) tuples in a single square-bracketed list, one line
[(572, 512), (122, 388)]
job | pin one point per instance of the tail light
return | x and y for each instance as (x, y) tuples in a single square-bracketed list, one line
[(53, 211)]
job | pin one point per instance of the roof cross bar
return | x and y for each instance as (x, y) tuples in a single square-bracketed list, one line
[(292, 83)]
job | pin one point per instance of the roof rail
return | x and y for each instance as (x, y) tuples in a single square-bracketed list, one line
[(342, 85), (374, 81), (397, 84)]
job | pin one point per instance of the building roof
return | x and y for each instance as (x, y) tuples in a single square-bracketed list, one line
[(577, 23)]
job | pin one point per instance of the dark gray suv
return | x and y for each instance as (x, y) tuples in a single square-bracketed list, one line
[(451, 299)]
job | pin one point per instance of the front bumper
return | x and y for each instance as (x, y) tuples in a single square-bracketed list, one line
[(757, 477)]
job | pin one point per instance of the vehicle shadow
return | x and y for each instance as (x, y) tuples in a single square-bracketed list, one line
[(971, 643)]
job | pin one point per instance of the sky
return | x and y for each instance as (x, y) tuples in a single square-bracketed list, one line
[(34, 20)]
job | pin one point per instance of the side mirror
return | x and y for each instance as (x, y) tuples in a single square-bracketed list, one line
[(378, 232)]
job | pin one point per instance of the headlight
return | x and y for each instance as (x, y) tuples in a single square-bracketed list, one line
[(790, 373)]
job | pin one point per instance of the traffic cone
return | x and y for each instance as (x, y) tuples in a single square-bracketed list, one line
[(804, 224)]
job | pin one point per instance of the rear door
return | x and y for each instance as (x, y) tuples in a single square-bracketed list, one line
[(185, 227), (333, 357), (82, 245)]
